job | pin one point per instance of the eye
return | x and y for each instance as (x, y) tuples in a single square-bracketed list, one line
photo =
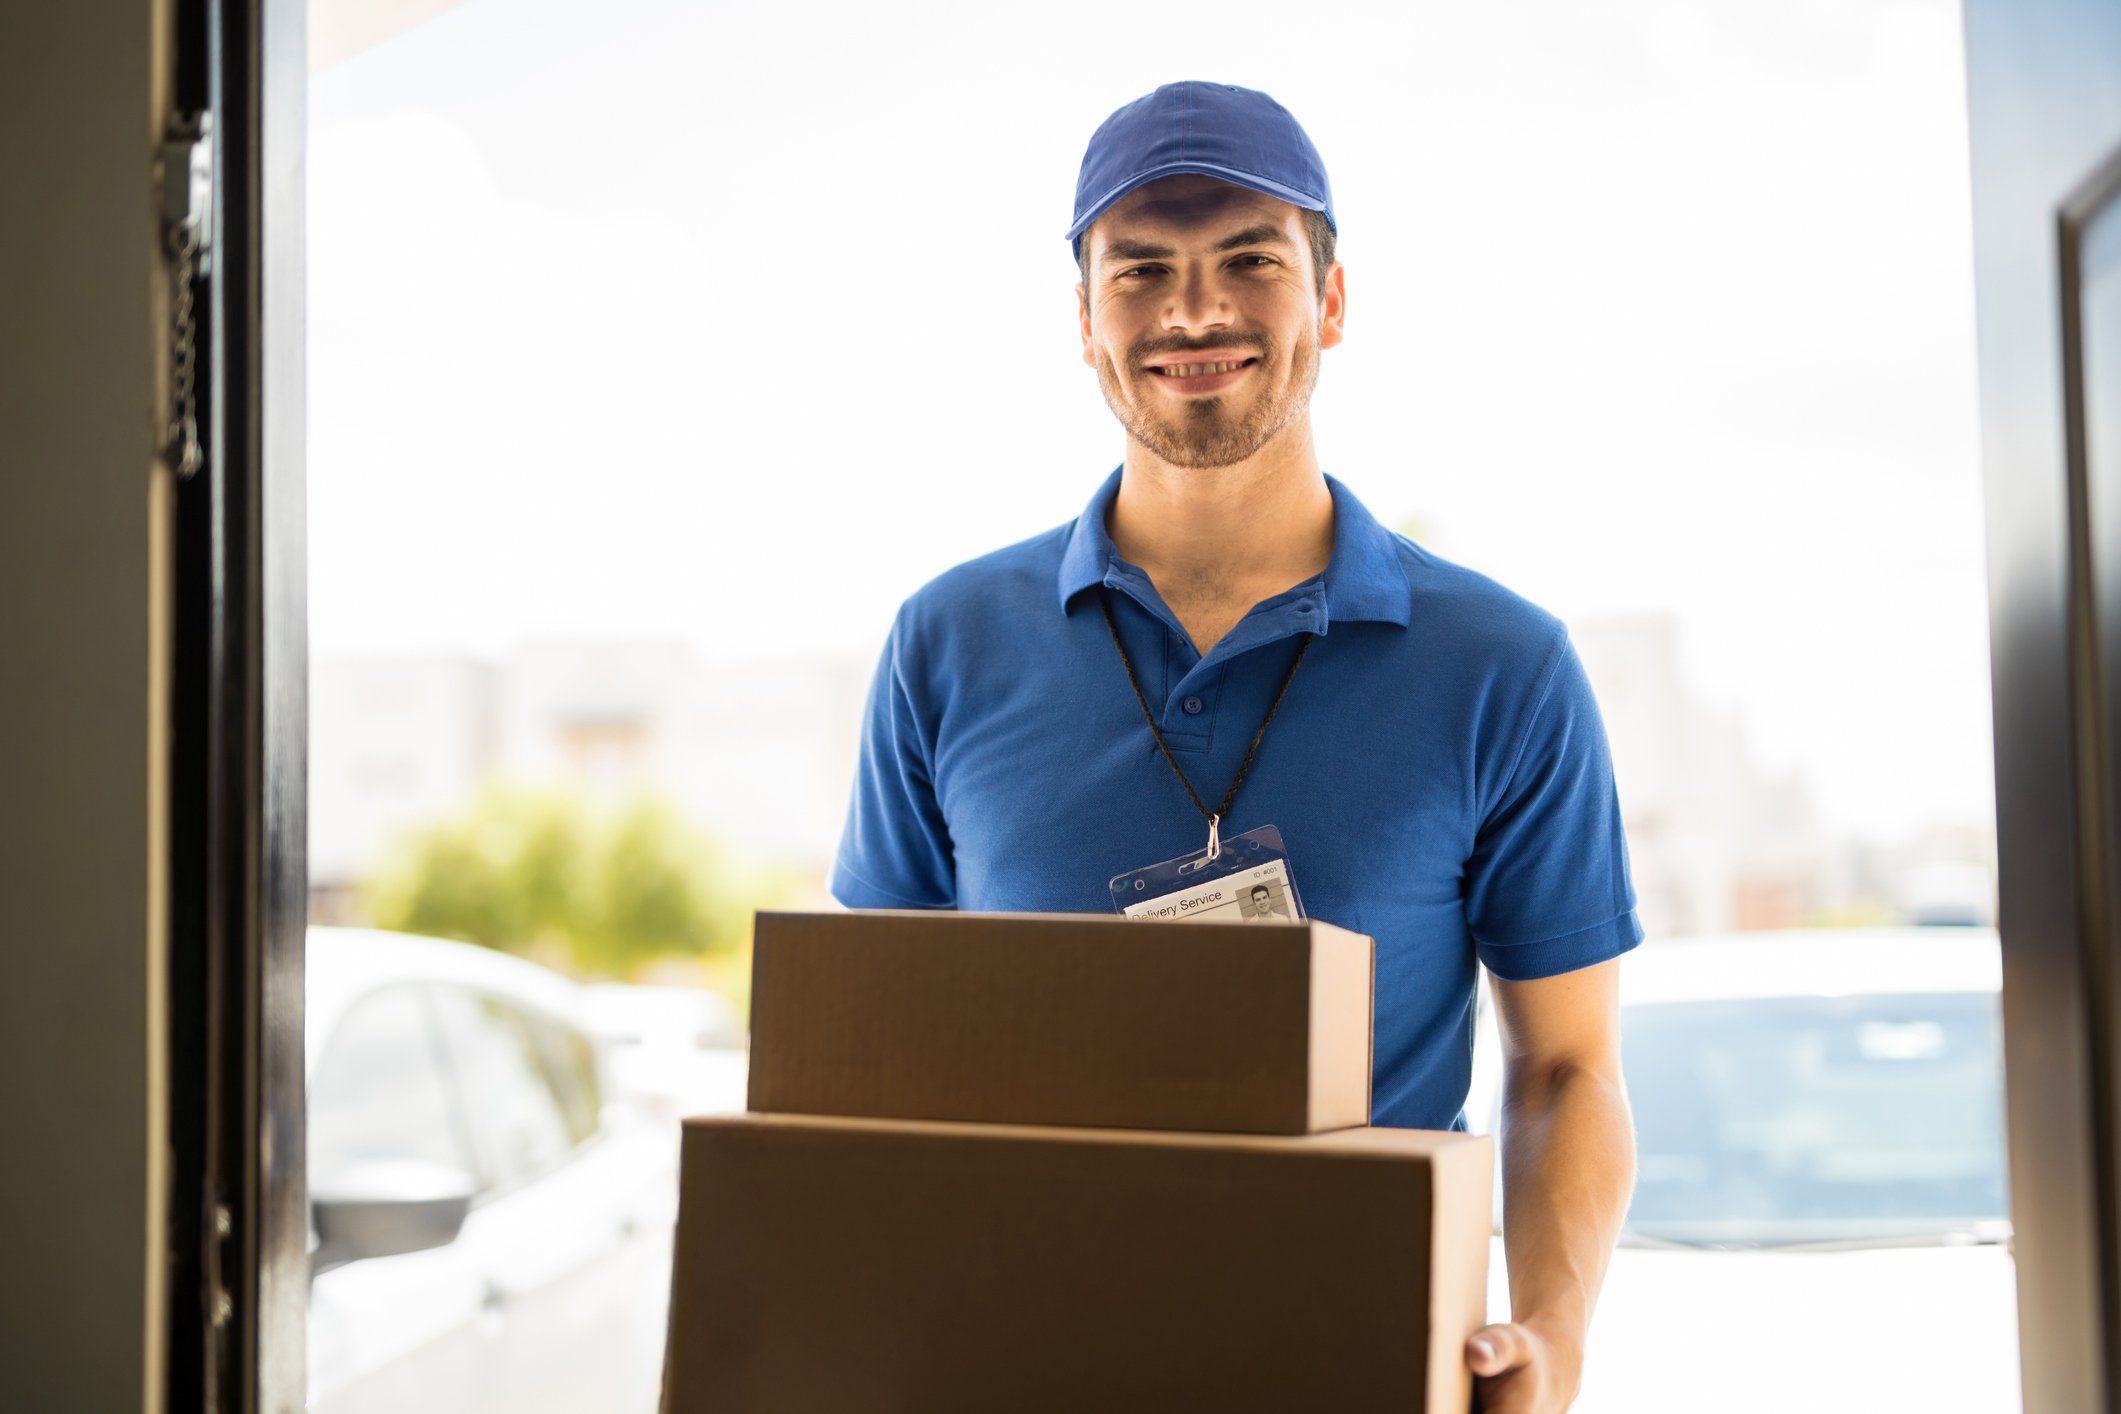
[(1138, 270), (1263, 259)]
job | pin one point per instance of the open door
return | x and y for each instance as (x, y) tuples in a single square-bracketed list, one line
[(2045, 103), (2045, 88)]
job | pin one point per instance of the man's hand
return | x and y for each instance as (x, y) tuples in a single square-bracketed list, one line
[(1524, 1368)]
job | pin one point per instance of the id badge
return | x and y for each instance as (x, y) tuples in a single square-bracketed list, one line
[(1247, 881)]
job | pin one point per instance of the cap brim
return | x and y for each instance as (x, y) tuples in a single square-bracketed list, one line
[(1266, 186)]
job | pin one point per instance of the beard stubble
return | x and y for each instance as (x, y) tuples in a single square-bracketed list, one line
[(1206, 432)]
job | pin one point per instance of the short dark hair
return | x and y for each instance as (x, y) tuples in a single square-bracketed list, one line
[(1262, 889), (1316, 230)]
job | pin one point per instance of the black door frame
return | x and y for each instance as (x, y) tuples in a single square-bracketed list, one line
[(2094, 628), (2044, 98), (238, 1220)]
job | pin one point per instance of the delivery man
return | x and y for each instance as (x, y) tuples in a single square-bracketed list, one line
[(1414, 748)]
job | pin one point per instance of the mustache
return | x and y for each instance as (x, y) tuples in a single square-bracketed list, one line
[(1142, 353)]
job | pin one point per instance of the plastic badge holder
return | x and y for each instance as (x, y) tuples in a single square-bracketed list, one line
[(1248, 881)]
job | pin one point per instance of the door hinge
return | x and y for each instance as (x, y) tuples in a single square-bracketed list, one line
[(186, 175)]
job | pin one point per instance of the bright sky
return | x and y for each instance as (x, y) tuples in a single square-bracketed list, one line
[(737, 322)]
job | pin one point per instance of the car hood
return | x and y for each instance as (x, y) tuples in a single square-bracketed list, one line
[(1930, 1328)]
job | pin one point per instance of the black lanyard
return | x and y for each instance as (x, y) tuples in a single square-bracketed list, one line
[(1213, 817)]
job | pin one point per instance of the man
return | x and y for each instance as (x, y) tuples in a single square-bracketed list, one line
[(1263, 904), (1060, 712)]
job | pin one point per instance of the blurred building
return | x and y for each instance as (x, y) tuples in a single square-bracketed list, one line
[(759, 753), (392, 742), (762, 754), (1717, 842), (1720, 842)]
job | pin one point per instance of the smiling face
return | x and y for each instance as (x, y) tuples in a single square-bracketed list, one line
[(1204, 318)]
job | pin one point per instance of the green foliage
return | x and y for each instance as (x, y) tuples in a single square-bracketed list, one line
[(545, 875), (1417, 529)]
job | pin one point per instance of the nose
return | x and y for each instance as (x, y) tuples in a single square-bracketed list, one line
[(1197, 302)]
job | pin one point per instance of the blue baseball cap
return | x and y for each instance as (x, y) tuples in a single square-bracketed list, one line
[(1219, 130)]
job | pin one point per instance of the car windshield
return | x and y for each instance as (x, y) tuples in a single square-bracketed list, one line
[(1800, 1120)]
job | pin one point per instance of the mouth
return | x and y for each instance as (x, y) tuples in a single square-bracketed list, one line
[(1201, 375)]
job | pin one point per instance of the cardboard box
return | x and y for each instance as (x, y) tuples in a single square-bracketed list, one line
[(1016, 1018), (846, 1266)]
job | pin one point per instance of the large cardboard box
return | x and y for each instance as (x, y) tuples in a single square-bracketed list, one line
[(1016, 1018), (846, 1266)]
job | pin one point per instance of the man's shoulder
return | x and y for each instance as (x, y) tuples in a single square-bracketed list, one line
[(1457, 604), (997, 588)]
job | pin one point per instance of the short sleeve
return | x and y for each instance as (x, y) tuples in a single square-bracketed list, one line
[(1547, 887), (895, 850)]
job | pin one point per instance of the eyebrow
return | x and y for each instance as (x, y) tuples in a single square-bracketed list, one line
[(1143, 250)]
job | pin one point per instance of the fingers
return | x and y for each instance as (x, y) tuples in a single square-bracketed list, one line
[(1494, 1349)]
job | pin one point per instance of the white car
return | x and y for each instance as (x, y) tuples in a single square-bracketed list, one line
[(676, 1051), (489, 1232), (1820, 1218)]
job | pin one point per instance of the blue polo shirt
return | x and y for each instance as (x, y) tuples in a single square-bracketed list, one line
[(1438, 769)]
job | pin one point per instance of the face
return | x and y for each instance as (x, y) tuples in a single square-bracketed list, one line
[(1259, 896), (1203, 318)]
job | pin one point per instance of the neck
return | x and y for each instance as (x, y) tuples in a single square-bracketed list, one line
[(1238, 532)]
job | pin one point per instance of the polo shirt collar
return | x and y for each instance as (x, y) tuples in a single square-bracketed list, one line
[(1365, 579)]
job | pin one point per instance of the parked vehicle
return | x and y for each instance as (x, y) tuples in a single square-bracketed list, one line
[(489, 1231), (675, 1050), (1820, 1218)]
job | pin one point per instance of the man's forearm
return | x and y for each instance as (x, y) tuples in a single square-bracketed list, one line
[(1568, 1157)]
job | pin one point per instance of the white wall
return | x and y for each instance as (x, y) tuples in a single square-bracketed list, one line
[(80, 640)]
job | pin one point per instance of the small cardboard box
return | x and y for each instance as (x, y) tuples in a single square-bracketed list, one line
[(844, 1266), (1025, 1018)]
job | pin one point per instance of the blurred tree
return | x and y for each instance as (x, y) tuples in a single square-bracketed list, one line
[(545, 875), (1416, 528), (659, 889)]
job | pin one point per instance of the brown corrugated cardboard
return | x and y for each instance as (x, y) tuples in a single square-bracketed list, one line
[(845, 1266), (1027, 1018)]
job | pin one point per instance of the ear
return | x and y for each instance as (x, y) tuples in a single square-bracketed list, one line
[(1082, 315), (1333, 307)]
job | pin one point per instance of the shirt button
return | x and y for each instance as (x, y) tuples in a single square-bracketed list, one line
[(1193, 706)]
